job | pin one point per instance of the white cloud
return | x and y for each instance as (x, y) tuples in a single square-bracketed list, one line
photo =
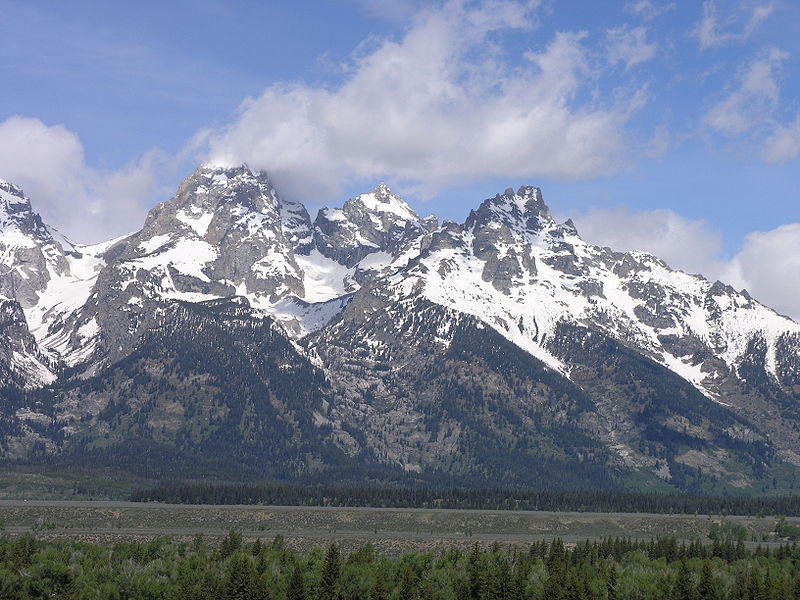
[(784, 143), (713, 33), (629, 46), (440, 106), (85, 204), (767, 265), (685, 244), (753, 99)]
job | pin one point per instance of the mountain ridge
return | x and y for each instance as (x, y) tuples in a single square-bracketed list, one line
[(380, 298)]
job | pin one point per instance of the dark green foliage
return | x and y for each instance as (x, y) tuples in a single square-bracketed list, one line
[(611, 569), (285, 494), (705, 587), (683, 589)]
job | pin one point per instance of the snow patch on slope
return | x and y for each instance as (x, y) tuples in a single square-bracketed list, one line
[(324, 278), (198, 222)]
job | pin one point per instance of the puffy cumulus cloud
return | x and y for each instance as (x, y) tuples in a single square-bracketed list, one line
[(685, 244), (629, 46), (784, 143), (85, 204), (767, 264), (713, 32), (440, 105), (752, 100)]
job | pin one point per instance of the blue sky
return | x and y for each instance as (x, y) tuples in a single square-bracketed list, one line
[(672, 127)]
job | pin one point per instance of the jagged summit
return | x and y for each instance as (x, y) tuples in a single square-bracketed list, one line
[(524, 209), (30, 255), (376, 222), (11, 193), (16, 211)]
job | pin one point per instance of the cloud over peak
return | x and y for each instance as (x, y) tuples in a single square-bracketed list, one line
[(766, 265), (84, 203), (441, 105)]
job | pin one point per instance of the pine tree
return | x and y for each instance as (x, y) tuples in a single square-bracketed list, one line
[(329, 583), (741, 551), (519, 584), (555, 586), (498, 579), (408, 586), (297, 585), (239, 578), (474, 573), (379, 591), (683, 588), (755, 587), (705, 589), (612, 584)]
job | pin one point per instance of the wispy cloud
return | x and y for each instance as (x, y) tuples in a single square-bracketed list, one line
[(752, 99), (735, 27), (648, 9), (629, 46), (784, 143)]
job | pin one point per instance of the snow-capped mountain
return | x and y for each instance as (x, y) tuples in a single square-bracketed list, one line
[(434, 343), (47, 275), (517, 270)]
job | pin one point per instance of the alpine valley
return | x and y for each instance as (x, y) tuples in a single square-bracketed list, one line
[(233, 337)]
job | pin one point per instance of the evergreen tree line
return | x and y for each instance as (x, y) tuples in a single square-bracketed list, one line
[(286, 494), (617, 569)]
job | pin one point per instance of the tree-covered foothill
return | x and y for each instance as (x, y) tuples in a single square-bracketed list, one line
[(286, 494), (615, 569)]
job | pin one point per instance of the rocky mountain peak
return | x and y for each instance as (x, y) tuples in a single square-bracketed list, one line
[(378, 221), (383, 193), (30, 255), (11, 194), (383, 203), (522, 210), (16, 212), (219, 196), (224, 233)]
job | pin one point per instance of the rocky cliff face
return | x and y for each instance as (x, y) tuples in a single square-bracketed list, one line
[(473, 350)]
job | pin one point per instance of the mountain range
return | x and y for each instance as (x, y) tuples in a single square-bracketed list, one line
[(234, 337)]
